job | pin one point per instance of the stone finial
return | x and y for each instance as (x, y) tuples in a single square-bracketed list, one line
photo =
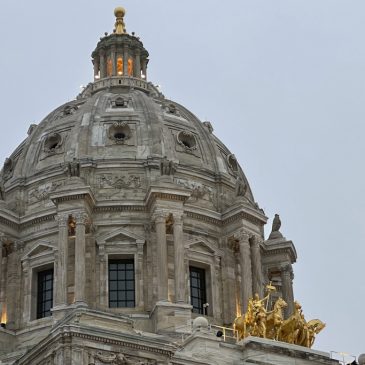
[(119, 13), (276, 224)]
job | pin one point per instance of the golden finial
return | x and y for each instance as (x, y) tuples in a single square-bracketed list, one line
[(119, 13)]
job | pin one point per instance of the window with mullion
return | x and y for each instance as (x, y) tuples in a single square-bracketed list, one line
[(197, 289), (44, 293), (121, 283)]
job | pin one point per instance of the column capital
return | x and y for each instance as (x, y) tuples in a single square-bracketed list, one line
[(256, 240), (160, 215), (242, 236), (62, 219), (178, 217), (286, 268), (81, 217)]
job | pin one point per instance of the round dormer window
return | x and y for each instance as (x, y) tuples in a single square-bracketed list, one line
[(187, 140), (52, 143), (119, 132)]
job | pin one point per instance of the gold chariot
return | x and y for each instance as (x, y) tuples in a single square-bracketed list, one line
[(259, 322)]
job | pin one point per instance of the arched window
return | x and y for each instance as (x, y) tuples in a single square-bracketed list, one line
[(130, 67), (120, 66), (109, 67)]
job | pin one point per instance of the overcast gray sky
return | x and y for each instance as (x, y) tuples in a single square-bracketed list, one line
[(282, 82)]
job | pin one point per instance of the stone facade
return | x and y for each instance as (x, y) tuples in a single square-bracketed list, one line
[(122, 173)]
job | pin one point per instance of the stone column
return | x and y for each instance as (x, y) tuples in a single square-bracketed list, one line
[(13, 284), (217, 288), (103, 295), (144, 68), (246, 270), (125, 61), (27, 291), (62, 262), (80, 253), (161, 251), (113, 57), (137, 66), (139, 275), (102, 64), (287, 288), (96, 67), (179, 252), (257, 279)]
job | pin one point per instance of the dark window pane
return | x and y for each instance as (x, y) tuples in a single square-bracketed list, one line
[(197, 289), (44, 293), (121, 283)]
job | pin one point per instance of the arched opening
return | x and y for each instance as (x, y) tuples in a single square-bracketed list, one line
[(130, 67), (120, 66)]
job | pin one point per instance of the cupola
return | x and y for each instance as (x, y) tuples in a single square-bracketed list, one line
[(120, 54)]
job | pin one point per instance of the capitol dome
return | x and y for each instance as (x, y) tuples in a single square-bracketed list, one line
[(122, 211)]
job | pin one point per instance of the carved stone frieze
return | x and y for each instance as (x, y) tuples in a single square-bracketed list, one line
[(120, 181), (43, 192), (102, 358), (199, 191)]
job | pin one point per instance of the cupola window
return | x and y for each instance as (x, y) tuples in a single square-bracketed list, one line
[(130, 67), (120, 66)]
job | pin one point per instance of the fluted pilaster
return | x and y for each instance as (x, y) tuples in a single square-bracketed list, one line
[(257, 279), (62, 261), (179, 259), (162, 269), (287, 288), (80, 253), (246, 269)]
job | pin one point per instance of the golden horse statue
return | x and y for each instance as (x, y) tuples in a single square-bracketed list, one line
[(275, 319), (296, 330), (272, 325)]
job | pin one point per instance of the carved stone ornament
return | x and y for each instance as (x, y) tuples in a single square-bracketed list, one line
[(167, 167), (119, 102), (119, 132), (120, 181), (209, 126), (119, 359), (73, 168), (43, 192), (232, 163), (171, 108), (52, 143), (275, 231), (241, 187), (187, 140), (199, 191), (8, 168), (67, 111)]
